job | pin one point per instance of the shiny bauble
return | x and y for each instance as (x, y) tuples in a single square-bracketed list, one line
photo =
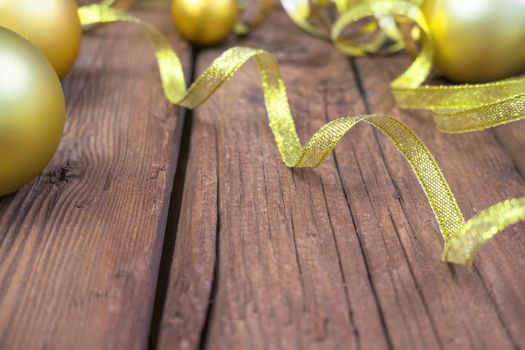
[(204, 22), (52, 25), (477, 41), (32, 111)]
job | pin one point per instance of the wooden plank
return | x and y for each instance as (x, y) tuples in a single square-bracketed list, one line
[(80, 246), (512, 138), (481, 172), (344, 256), (279, 280)]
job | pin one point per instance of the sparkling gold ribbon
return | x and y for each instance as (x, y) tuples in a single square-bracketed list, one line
[(462, 239), (456, 109)]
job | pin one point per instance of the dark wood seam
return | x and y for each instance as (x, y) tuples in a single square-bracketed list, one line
[(178, 181), (496, 307), (365, 259), (416, 283), (205, 333), (509, 153), (355, 330)]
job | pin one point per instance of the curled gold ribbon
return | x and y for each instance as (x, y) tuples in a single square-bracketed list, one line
[(462, 239), (457, 108)]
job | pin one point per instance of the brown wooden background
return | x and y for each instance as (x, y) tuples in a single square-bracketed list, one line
[(159, 227)]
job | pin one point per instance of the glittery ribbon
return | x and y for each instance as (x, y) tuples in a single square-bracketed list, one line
[(456, 108), (462, 239)]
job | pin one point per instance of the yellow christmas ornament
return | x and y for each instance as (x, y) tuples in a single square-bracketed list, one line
[(477, 41), (52, 25), (32, 111), (204, 22)]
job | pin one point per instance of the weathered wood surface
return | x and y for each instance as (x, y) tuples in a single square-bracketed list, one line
[(347, 255), (254, 255), (80, 246)]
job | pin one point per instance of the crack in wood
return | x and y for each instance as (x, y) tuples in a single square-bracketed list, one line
[(518, 166), (365, 258), (174, 212), (416, 283), (210, 311), (496, 308)]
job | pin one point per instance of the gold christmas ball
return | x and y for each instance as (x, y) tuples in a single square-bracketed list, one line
[(204, 22), (477, 41), (32, 111), (52, 25)]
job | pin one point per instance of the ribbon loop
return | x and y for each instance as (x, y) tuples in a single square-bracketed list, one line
[(461, 239)]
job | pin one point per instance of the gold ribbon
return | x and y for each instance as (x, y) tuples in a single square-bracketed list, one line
[(456, 109), (462, 239)]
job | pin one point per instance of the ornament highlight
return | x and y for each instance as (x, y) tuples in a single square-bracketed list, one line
[(204, 22), (32, 111), (477, 41), (51, 25)]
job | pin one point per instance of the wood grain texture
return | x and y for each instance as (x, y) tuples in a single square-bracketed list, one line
[(80, 246), (482, 170), (346, 255), (265, 257)]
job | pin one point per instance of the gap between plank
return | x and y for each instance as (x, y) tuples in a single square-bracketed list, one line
[(205, 333), (174, 209), (364, 98)]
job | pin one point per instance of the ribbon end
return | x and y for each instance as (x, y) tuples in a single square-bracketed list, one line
[(453, 255)]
